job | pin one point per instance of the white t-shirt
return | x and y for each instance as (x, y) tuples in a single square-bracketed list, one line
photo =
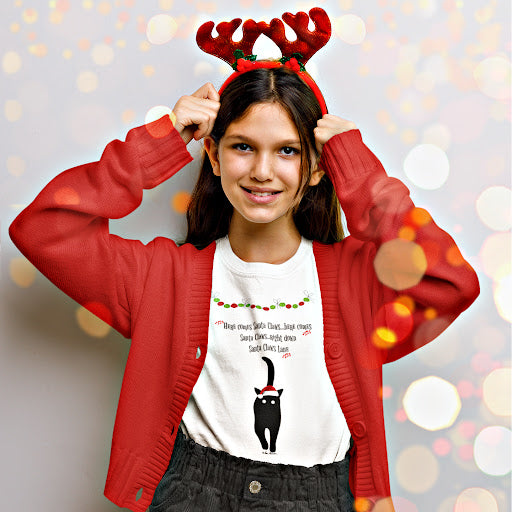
[(264, 392)]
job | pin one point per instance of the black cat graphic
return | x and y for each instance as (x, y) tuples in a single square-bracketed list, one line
[(267, 410)]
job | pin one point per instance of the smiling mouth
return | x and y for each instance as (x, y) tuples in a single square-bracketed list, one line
[(260, 194)]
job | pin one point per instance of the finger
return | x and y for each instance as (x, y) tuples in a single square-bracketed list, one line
[(197, 103), (196, 112), (212, 93), (208, 106), (204, 128), (207, 91)]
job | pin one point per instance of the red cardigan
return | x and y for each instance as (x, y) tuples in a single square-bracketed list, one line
[(159, 295)]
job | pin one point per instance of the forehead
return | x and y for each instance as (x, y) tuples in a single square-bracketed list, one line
[(264, 120)]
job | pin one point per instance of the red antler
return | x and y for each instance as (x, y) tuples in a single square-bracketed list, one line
[(307, 43), (223, 45)]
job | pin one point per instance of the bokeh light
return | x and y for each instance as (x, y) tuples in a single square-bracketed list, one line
[(166, 5), (494, 207), (400, 264), (495, 255), (13, 110), (427, 166), (493, 450), (39, 49), (11, 62), (161, 29), (427, 8), (102, 54), (442, 446), (432, 403), (91, 324), (180, 201), (392, 324), (497, 392), (503, 297), (22, 272), (30, 16), (437, 134), (104, 8), (350, 28), (417, 469), (476, 499), (157, 112), (66, 196), (493, 77), (16, 165), (87, 81), (203, 68)]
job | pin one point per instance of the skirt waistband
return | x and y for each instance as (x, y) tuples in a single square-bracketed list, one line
[(237, 475)]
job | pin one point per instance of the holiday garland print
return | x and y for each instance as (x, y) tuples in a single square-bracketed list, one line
[(278, 304)]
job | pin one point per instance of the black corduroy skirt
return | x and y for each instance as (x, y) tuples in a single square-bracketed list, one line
[(201, 479)]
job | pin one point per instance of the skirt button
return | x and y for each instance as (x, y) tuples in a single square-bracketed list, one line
[(255, 487)]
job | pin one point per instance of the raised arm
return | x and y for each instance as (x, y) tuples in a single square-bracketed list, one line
[(64, 232), (415, 277)]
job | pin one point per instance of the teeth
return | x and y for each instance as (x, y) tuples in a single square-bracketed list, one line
[(261, 194)]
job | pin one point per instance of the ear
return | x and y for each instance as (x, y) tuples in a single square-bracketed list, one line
[(316, 176), (213, 154)]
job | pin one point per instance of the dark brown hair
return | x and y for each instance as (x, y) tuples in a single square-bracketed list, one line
[(317, 216)]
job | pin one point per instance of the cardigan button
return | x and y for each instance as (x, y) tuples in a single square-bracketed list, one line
[(334, 350), (359, 429)]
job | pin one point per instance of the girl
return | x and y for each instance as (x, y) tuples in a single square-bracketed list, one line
[(254, 374)]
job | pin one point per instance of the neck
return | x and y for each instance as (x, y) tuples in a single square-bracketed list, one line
[(264, 243)]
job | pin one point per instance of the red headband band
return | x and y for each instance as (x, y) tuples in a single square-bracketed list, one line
[(295, 54)]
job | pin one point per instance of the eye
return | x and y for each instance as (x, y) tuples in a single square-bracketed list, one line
[(242, 146), (273, 402), (263, 401), (287, 150)]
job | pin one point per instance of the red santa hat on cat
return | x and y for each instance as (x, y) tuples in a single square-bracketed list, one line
[(268, 391), (295, 54)]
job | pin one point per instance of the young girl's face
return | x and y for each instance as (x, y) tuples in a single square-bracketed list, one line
[(258, 160)]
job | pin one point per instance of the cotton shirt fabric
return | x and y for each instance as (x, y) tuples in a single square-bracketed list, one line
[(261, 310)]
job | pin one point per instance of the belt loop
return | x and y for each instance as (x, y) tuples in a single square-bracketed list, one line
[(312, 486)]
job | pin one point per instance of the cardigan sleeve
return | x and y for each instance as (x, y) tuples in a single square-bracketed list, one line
[(64, 232), (412, 274)]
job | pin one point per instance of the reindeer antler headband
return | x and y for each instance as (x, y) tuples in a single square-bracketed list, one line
[(295, 54)]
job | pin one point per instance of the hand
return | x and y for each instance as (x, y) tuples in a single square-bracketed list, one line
[(196, 114), (328, 127)]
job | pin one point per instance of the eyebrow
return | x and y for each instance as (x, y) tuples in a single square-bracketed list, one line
[(244, 138)]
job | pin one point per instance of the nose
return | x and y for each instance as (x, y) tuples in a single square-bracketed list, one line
[(262, 168)]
